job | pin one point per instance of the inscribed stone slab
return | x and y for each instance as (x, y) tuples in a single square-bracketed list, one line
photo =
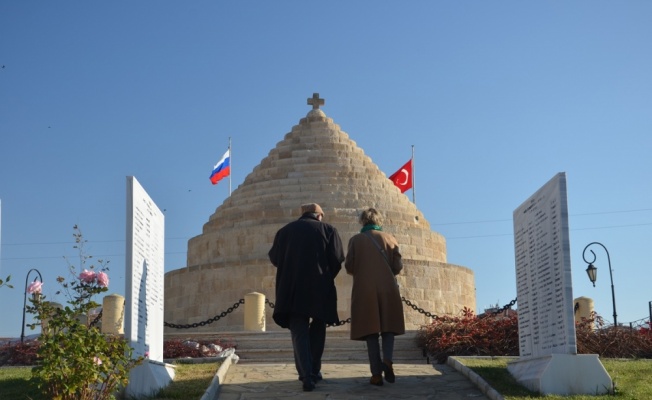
[(543, 272), (144, 273)]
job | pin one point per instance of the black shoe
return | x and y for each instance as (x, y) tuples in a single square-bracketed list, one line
[(315, 378), (389, 371), (308, 385)]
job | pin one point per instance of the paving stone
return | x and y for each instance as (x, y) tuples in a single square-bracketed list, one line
[(347, 381)]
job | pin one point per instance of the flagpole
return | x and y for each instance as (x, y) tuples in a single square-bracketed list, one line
[(0, 234), (414, 199), (230, 165)]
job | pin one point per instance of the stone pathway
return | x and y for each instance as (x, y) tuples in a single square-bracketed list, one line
[(346, 381)]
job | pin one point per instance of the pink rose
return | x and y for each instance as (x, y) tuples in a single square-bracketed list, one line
[(34, 287), (102, 279), (97, 360), (87, 276)]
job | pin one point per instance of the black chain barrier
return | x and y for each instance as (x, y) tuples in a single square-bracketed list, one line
[(420, 310), (342, 322), (436, 317), (208, 321), (506, 307), (97, 319)]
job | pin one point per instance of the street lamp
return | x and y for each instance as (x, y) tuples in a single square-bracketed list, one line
[(40, 278), (592, 272)]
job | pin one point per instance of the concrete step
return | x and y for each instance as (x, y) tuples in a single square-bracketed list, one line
[(330, 356), (276, 346)]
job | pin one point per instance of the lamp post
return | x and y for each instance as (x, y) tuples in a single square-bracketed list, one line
[(592, 272), (40, 278)]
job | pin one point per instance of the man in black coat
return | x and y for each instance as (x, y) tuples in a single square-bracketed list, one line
[(308, 255)]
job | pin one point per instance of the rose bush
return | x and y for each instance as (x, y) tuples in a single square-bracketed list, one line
[(74, 359), (6, 282)]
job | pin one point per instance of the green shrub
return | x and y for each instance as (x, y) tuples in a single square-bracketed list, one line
[(75, 360)]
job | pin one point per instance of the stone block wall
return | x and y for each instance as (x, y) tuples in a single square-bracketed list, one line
[(315, 162), (438, 288)]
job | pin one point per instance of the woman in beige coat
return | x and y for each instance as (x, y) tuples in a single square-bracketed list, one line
[(373, 259)]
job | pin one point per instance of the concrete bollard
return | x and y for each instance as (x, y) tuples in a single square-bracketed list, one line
[(45, 321), (254, 319), (583, 308), (113, 313)]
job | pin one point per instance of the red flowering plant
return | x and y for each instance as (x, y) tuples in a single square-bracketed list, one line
[(17, 353), (497, 335), (470, 335), (76, 360), (595, 336)]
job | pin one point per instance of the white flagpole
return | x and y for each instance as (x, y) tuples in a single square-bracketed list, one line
[(414, 199), (230, 165)]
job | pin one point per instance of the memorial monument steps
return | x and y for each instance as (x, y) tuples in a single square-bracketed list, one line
[(276, 346)]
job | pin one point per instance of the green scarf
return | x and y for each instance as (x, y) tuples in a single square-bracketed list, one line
[(371, 227)]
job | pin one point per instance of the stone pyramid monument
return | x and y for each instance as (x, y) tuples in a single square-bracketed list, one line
[(315, 162)]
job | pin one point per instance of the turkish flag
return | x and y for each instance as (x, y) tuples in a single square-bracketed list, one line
[(403, 177)]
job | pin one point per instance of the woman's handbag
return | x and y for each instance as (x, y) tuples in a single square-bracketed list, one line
[(383, 253)]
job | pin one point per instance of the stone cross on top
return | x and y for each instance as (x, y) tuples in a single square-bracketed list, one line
[(315, 101)]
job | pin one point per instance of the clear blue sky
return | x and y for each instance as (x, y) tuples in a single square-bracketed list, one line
[(497, 97)]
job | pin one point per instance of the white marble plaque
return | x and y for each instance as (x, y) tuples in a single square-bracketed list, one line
[(543, 272), (144, 273)]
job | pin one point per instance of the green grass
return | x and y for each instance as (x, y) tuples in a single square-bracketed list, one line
[(631, 377), (15, 384), (190, 382)]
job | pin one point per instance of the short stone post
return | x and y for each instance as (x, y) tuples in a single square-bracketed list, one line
[(254, 306), (113, 312), (45, 321), (583, 308)]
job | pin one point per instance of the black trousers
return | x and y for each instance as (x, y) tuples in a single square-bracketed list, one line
[(373, 350), (308, 340)]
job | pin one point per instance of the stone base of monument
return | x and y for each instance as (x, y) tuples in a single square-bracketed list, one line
[(148, 378), (562, 374)]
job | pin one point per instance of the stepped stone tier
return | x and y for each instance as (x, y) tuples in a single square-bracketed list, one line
[(315, 162)]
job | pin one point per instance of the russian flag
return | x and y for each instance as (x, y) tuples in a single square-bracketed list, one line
[(222, 168)]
